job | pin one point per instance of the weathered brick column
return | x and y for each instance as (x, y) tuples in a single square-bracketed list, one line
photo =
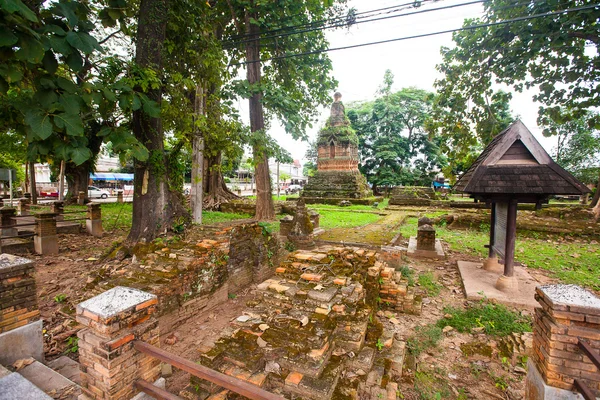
[(7, 221), (93, 224), (23, 206), (567, 313), (119, 196), (426, 237), (285, 225), (58, 207), (20, 323), (81, 198), (45, 240), (109, 363)]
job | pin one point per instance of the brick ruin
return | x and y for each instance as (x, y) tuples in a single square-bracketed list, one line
[(412, 196), (567, 315), (312, 331), (337, 174)]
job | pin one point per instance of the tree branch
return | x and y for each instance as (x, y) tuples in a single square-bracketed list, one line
[(587, 36), (109, 36)]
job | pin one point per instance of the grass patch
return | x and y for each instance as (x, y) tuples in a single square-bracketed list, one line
[(571, 261), (428, 282), (214, 217), (425, 338), (495, 319), (431, 387), (382, 204), (341, 219)]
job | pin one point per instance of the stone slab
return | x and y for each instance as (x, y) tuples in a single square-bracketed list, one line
[(571, 295), (414, 252), (115, 301), (45, 378), (324, 295), (479, 283), (67, 367), (8, 262), (537, 389), (160, 383), (23, 342), (16, 387)]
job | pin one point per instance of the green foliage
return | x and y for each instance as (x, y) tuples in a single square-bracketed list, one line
[(428, 282), (379, 344), (341, 219), (289, 246), (391, 135), (547, 54), (408, 274), (60, 298), (430, 386), (496, 319), (72, 344), (425, 338)]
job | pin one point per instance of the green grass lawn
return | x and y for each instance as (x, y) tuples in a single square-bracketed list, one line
[(342, 219), (571, 261)]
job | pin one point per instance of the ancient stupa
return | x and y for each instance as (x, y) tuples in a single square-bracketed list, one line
[(337, 173)]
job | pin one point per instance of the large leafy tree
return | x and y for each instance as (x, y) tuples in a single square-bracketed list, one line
[(553, 50), (287, 88), (394, 147)]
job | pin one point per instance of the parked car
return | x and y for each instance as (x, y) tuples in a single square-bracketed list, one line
[(293, 189), (50, 192), (94, 192)]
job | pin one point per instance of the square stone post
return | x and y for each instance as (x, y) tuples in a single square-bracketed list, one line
[(8, 223), (58, 207), (93, 224), (109, 363), (45, 240), (119, 196), (23, 206), (20, 323), (426, 238), (567, 314), (81, 198)]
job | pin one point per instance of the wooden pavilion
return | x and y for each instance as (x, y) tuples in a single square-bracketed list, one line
[(514, 168)]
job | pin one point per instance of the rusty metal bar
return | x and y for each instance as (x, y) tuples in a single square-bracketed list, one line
[(584, 390), (154, 391), (589, 351), (25, 235), (228, 382)]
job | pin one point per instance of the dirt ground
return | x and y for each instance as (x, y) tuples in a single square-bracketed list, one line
[(61, 281)]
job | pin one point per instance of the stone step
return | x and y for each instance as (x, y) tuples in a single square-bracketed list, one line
[(50, 381), (298, 383)]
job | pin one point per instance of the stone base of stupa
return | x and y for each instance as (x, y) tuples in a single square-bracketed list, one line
[(337, 185)]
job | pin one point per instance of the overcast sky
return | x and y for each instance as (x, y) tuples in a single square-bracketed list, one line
[(360, 70)]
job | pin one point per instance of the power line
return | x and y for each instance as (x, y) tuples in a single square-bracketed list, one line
[(358, 22), (466, 28), (331, 20)]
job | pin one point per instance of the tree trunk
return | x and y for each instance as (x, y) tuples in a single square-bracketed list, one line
[(61, 180), (197, 187), (264, 200), (596, 197), (154, 205), (217, 191), (78, 177), (32, 183)]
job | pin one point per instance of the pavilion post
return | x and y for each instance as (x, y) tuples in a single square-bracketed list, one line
[(491, 263), (511, 234)]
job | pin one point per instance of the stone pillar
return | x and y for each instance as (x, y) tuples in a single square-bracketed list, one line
[(23, 206), (20, 323), (8, 222), (58, 207), (93, 224), (81, 198), (285, 225), (314, 218), (109, 363), (119, 196), (45, 240), (426, 238), (567, 313)]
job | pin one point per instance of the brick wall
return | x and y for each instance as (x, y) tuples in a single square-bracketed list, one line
[(558, 325), (394, 291), (18, 300)]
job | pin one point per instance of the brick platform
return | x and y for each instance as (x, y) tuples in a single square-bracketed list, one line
[(308, 324)]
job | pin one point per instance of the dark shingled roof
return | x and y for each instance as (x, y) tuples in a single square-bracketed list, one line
[(515, 163)]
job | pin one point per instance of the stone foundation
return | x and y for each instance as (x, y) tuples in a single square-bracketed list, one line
[(337, 185), (412, 196)]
